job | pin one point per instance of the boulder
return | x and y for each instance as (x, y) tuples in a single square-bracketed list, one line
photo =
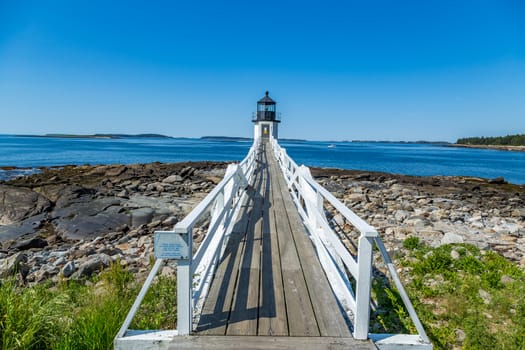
[(451, 238), (141, 216), (85, 206), (116, 170), (85, 226), (73, 194), (90, 218), (196, 187), (15, 263), (498, 181), (173, 179), (133, 186), (170, 221), (60, 261), (187, 172), (357, 197), (35, 242), (416, 221), (45, 272), (92, 265), (68, 269), (401, 215), (518, 213), (214, 179), (25, 227), (19, 203)]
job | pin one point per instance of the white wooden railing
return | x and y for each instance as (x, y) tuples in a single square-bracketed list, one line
[(222, 205), (195, 272), (340, 266)]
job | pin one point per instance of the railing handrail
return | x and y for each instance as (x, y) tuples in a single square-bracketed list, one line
[(223, 201), (309, 194), (200, 269), (197, 212)]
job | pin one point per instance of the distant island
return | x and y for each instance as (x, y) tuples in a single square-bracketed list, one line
[(225, 138), (100, 136), (404, 142), (233, 138), (503, 143), (509, 140)]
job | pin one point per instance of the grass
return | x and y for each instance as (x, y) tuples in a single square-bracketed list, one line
[(80, 315), (466, 298)]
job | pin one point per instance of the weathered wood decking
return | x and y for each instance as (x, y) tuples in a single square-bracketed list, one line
[(269, 281)]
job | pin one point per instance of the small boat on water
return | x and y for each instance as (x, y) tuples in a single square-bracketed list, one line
[(331, 145)]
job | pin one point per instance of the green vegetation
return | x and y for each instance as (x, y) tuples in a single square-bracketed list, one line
[(74, 315), (509, 140), (466, 298)]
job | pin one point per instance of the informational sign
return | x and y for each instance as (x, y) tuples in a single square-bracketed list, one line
[(171, 245)]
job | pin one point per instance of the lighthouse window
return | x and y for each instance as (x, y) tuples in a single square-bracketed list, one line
[(266, 108)]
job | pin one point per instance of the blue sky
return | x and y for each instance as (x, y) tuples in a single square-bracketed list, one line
[(339, 70)]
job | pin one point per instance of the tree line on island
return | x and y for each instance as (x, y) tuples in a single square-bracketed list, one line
[(509, 140)]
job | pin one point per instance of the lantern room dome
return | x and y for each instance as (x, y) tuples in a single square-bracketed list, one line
[(266, 99)]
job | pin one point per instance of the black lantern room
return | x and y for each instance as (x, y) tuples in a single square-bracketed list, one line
[(266, 110)]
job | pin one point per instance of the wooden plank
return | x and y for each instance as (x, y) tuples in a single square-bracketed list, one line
[(270, 281), (216, 309), (300, 314), (244, 312), (260, 343), (272, 306), (329, 316)]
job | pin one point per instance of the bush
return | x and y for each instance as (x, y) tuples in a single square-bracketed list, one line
[(412, 243)]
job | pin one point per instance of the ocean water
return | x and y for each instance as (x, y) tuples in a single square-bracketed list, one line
[(408, 159)]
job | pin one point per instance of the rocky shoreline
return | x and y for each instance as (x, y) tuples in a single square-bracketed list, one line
[(72, 221), (75, 220), (495, 147), (489, 214)]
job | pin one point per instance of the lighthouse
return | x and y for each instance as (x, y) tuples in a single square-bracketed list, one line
[(265, 122)]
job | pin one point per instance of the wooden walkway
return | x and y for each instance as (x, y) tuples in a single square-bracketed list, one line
[(270, 282)]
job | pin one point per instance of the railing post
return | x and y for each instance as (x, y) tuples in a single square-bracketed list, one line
[(217, 208), (364, 285), (320, 201), (185, 288)]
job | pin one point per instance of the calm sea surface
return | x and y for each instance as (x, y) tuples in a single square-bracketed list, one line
[(410, 159)]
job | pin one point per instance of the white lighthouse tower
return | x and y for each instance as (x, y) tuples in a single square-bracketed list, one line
[(265, 122)]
